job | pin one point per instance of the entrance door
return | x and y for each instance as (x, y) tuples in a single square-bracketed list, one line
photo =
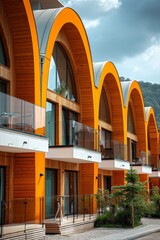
[(70, 192), (51, 192), (107, 183), (2, 193)]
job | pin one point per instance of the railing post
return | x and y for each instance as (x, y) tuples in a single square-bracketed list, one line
[(83, 207), (25, 217), (73, 210), (1, 219), (42, 211)]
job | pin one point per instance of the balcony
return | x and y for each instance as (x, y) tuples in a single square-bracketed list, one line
[(113, 158), (22, 126), (140, 164), (78, 145), (155, 170)]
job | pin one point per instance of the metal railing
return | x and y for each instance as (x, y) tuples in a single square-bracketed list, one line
[(70, 207), (117, 151), (20, 115), (21, 212)]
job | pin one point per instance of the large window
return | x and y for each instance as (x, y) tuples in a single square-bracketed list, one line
[(131, 125), (67, 117), (3, 86), (106, 138), (107, 183), (2, 53), (104, 113), (61, 78), (51, 123)]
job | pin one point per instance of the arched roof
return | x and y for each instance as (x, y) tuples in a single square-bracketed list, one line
[(98, 67), (153, 136), (150, 118), (21, 40), (44, 21), (106, 75), (132, 92), (50, 23), (149, 111)]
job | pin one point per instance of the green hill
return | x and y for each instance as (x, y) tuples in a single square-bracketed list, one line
[(151, 95)]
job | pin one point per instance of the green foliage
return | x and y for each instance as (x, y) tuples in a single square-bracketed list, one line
[(62, 89), (130, 202), (105, 220), (134, 195), (155, 202), (103, 199)]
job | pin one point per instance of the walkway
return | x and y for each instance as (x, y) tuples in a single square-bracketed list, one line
[(149, 226)]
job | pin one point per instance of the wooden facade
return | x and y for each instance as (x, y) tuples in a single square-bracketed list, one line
[(27, 79)]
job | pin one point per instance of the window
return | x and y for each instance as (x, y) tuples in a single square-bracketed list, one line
[(134, 149), (51, 192), (3, 101), (61, 78), (51, 123), (3, 86), (107, 183), (3, 60), (104, 113), (131, 126), (67, 117), (106, 138)]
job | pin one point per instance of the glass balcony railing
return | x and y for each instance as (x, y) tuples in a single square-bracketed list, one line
[(20, 115), (117, 151), (78, 134), (141, 160)]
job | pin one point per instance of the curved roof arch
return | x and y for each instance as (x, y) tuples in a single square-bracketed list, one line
[(132, 92), (106, 75), (50, 23), (23, 50), (152, 133), (149, 112)]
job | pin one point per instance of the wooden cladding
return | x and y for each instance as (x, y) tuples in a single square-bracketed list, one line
[(20, 47)]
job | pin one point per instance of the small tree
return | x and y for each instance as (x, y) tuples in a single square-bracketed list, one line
[(155, 200), (132, 197)]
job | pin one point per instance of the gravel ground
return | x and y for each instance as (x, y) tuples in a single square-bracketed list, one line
[(99, 232)]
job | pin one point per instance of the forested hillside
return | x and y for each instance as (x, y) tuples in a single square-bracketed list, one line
[(151, 95)]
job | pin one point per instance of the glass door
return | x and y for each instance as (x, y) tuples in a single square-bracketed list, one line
[(70, 192), (107, 183), (51, 192), (2, 193)]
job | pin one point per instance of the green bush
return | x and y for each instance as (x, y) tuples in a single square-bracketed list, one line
[(106, 219), (126, 204)]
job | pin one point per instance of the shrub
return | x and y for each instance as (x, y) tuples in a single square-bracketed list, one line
[(104, 220)]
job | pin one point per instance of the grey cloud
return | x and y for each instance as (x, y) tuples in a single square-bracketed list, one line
[(125, 31)]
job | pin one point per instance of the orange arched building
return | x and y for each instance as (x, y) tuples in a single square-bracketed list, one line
[(68, 126)]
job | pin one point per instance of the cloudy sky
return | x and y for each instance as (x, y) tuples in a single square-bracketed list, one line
[(125, 32)]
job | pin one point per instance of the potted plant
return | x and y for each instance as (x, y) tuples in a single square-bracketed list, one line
[(63, 89)]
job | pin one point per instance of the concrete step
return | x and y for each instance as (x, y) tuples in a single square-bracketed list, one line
[(30, 234), (67, 226)]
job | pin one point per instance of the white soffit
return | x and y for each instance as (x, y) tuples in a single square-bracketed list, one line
[(155, 174), (13, 141), (143, 169), (115, 164), (73, 154)]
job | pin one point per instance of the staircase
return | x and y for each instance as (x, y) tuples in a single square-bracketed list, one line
[(16, 233), (69, 225)]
